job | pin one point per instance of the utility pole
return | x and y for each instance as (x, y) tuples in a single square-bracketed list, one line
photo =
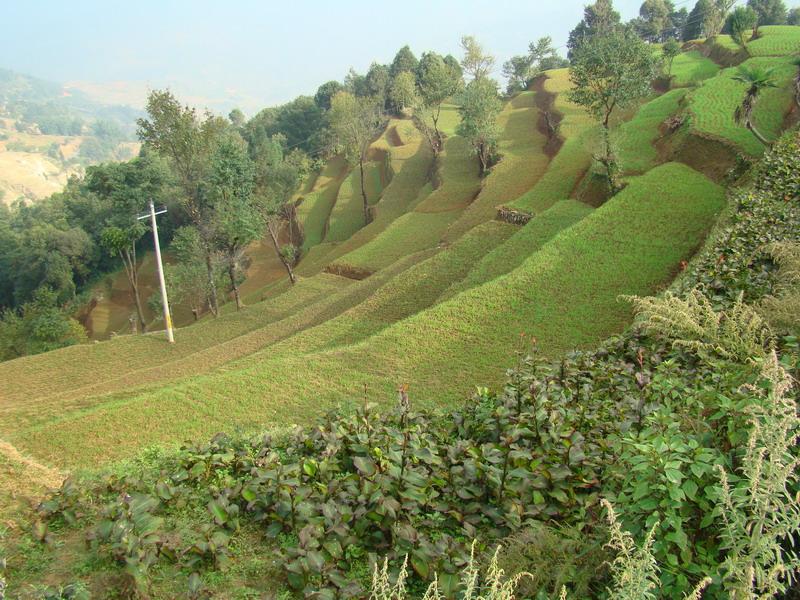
[(160, 267)]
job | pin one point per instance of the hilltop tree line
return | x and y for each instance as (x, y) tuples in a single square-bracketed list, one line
[(226, 182)]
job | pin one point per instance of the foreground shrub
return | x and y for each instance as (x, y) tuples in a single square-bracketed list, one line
[(778, 173)]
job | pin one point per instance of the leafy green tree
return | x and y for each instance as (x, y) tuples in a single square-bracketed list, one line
[(126, 188), (325, 92), (793, 18), (741, 20), (404, 60), (237, 222), (176, 132), (769, 12), (599, 18), (695, 24), (757, 80), (608, 72), (670, 50), (39, 326), (356, 84), (438, 81), (237, 118), (655, 18), (378, 81), (518, 71), (277, 182), (403, 92), (355, 122), (476, 63), (187, 278), (716, 16), (479, 108)]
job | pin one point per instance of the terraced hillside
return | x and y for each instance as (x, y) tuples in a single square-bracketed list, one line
[(433, 292)]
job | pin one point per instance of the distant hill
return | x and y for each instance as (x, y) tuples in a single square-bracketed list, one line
[(49, 132)]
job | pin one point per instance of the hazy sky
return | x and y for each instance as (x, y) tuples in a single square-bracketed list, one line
[(259, 53)]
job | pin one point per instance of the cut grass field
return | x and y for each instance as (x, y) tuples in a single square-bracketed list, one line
[(347, 215), (776, 40), (635, 139), (315, 208), (712, 105), (566, 169), (691, 68), (521, 145), (565, 294)]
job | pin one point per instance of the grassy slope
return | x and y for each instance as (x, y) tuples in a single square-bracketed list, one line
[(634, 138), (776, 40), (712, 105), (347, 215), (691, 68), (315, 208), (423, 227), (522, 165), (522, 244), (565, 295), (568, 166)]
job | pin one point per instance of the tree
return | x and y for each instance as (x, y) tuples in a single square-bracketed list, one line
[(187, 280), (517, 70), (716, 16), (695, 24), (403, 92), (355, 122), (769, 12), (237, 118), (438, 81), (126, 188), (404, 60), (670, 50), (757, 80), (39, 326), (793, 18), (608, 72), (598, 19), (276, 185), (479, 108), (377, 82), (175, 132), (476, 63), (237, 222), (325, 92), (740, 22), (655, 18), (356, 84), (520, 70)]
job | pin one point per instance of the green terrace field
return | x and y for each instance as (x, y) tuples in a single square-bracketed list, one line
[(433, 292), (712, 105), (524, 162), (635, 139), (564, 294), (691, 68), (567, 168), (775, 40)]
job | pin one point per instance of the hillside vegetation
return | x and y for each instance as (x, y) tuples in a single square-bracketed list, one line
[(486, 340)]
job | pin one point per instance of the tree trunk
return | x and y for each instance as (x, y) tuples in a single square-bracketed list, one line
[(438, 141), (213, 304), (367, 218), (131, 270), (234, 285), (609, 162), (757, 133), (282, 258)]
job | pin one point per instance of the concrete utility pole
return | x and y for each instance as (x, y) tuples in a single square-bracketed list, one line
[(160, 267)]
